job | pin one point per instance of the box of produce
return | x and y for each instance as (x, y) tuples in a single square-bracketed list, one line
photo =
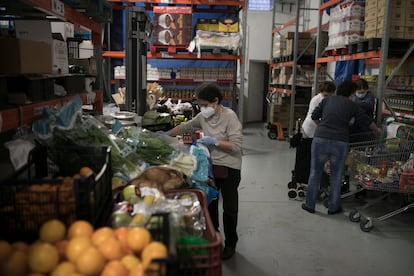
[(69, 183), (198, 245)]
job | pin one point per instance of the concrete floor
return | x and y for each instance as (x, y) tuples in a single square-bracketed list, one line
[(276, 237)]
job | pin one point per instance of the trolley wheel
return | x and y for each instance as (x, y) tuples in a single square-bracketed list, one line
[(272, 134), (292, 193), (366, 225), (354, 216), (292, 185), (301, 191)]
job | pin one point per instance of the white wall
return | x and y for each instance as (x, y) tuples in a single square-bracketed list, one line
[(259, 35)]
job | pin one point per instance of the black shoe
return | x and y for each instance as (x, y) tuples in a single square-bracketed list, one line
[(339, 210), (306, 208), (228, 252)]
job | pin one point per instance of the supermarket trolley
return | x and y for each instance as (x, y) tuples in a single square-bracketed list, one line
[(383, 167)]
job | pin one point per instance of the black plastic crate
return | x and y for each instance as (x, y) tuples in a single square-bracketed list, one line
[(48, 187)]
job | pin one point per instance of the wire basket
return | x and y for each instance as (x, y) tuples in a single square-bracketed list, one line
[(48, 188)]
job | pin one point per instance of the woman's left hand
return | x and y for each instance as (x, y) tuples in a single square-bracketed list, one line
[(207, 140)]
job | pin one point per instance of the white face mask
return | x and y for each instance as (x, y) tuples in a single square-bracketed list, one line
[(360, 95), (207, 111)]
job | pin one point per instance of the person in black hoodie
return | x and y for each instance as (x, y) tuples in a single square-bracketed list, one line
[(334, 116)]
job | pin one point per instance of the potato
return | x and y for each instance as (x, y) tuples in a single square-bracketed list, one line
[(156, 174)]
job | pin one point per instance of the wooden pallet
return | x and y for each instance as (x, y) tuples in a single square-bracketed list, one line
[(169, 49), (337, 51)]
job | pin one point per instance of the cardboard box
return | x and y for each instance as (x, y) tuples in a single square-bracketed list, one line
[(21, 56), (36, 30), (66, 29), (59, 57), (409, 32), (172, 25), (409, 17), (370, 4), (213, 25), (88, 64)]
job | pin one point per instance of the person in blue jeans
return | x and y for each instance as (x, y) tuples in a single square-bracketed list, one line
[(334, 116)]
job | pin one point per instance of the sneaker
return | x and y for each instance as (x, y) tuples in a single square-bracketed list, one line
[(228, 252), (339, 210), (306, 208)]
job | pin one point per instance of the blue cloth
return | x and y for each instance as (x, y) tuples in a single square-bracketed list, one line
[(322, 150)]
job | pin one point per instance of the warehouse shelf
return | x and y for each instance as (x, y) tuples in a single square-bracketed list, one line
[(162, 55), (26, 114), (185, 2), (356, 56)]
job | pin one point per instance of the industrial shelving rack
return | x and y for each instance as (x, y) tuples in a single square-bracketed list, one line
[(233, 6), (378, 56), (14, 117)]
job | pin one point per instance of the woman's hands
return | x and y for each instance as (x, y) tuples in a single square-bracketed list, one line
[(208, 141)]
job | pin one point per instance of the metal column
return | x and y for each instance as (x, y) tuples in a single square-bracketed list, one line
[(384, 56), (294, 72), (317, 53), (136, 59)]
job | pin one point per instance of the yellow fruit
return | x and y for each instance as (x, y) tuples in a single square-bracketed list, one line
[(122, 235), (61, 247), (20, 245), (101, 234), (64, 269), (111, 249), (154, 250), (138, 238), (5, 248), (85, 172), (130, 261), (139, 220), (90, 261), (52, 231), (80, 228), (76, 246), (14, 264), (137, 270), (149, 199), (115, 268), (43, 258)]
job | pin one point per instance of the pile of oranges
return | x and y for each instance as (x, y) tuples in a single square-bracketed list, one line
[(82, 250)]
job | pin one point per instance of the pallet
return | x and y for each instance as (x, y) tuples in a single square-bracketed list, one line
[(336, 52), (304, 59), (169, 49)]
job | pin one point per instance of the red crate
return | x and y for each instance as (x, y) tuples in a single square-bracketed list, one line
[(407, 183)]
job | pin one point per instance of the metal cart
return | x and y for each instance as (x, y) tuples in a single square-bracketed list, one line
[(381, 167)]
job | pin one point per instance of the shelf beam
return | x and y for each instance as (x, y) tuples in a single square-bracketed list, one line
[(277, 29), (121, 55), (71, 15), (185, 2), (365, 55)]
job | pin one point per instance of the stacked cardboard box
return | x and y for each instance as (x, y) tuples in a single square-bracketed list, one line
[(401, 19), (172, 25), (346, 24), (279, 45), (306, 44)]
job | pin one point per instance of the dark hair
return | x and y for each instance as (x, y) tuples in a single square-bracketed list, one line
[(361, 84), (346, 88), (209, 92), (327, 86)]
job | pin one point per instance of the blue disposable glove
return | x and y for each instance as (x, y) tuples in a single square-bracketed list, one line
[(208, 140)]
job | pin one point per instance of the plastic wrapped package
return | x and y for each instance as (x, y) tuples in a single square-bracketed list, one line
[(205, 40)]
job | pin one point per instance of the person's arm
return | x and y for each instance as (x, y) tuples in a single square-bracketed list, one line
[(234, 132), (185, 127)]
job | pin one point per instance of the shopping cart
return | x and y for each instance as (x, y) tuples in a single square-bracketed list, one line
[(382, 166)]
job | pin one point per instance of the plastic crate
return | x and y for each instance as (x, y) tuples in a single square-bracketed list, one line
[(46, 189), (200, 259)]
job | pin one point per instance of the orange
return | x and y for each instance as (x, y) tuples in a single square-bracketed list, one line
[(15, 264), (43, 257), (111, 249), (137, 270), (5, 248), (154, 250), (20, 245), (115, 268), (122, 233), (138, 238), (52, 231), (85, 172), (76, 246), (80, 228), (101, 234), (64, 269), (130, 261), (90, 261), (61, 247)]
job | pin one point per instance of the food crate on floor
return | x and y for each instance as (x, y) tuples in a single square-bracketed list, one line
[(49, 187), (200, 259)]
